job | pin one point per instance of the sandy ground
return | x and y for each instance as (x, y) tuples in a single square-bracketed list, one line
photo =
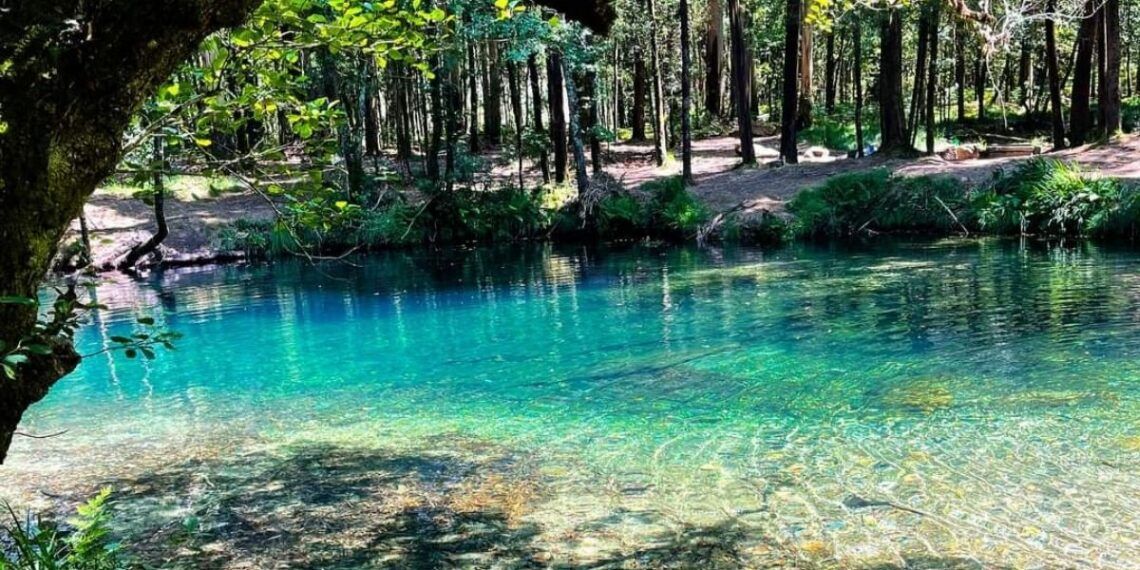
[(118, 222)]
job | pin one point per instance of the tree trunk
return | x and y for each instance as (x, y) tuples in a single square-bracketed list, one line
[(659, 103), (830, 75), (161, 230), (1054, 79), (515, 88), (536, 100), (640, 92), (792, 21), (891, 117), (572, 101), (857, 79), (918, 95), (473, 99), (437, 119), (932, 78), (806, 73), (686, 97), (493, 96), (1024, 68), (981, 70), (75, 94), (960, 68), (555, 90), (1110, 78), (714, 55), (1080, 116), (740, 80)]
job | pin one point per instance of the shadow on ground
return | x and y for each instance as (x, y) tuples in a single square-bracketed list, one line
[(322, 506)]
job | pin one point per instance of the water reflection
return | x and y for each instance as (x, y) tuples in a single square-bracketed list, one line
[(965, 399)]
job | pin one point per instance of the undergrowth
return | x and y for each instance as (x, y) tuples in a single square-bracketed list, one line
[(84, 543)]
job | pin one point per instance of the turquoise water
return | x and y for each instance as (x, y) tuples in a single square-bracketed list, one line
[(965, 402)]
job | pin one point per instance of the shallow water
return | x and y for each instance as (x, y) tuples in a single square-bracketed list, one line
[(931, 404)]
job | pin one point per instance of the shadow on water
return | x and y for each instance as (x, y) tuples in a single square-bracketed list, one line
[(324, 506)]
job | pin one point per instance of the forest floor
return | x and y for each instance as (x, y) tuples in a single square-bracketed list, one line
[(199, 211)]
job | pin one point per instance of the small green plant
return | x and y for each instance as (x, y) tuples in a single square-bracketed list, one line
[(673, 209), (1050, 197), (34, 543)]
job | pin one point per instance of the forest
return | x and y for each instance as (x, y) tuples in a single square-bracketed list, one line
[(139, 138)]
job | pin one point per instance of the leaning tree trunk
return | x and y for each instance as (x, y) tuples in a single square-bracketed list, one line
[(891, 118), (792, 22), (161, 230), (740, 83), (75, 95), (714, 55)]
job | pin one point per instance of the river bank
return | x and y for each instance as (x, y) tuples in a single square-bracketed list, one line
[(214, 220)]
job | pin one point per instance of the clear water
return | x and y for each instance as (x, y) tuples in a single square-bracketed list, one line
[(947, 404)]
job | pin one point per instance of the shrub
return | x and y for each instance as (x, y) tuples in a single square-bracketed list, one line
[(31, 543), (875, 200), (673, 209), (1047, 196)]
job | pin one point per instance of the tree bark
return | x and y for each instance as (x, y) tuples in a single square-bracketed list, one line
[(857, 79), (960, 68), (75, 94), (580, 175), (639, 95), (686, 97), (536, 101), (555, 94), (159, 196), (740, 81), (1058, 121), (714, 55), (891, 117), (932, 77), (493, 96), (805, 105), (659, 103), (792, 22), (830, 75), (1109, 92), (1080, 116)]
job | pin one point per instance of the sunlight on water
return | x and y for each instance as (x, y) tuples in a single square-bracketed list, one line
[(936, 404)]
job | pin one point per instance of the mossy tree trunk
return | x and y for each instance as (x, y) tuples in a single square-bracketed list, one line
[(67, 99)]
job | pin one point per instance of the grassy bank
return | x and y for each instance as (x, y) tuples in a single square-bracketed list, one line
[(1042, 197)]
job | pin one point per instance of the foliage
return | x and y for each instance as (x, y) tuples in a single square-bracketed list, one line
[(877, 201), (673, 209), (32, 543), (1047, 196)]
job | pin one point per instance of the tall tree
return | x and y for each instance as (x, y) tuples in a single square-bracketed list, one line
[(857, 79), (536, 103), (714, 56), (960, 68), (892, 125), (659, 103), (686, 96), (556, 89), (1056, 113), (640, 93), (1080, 116), (1109, 87), (792, 21), (805, 105), (830, 79), (741, 76), (932, 77)]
